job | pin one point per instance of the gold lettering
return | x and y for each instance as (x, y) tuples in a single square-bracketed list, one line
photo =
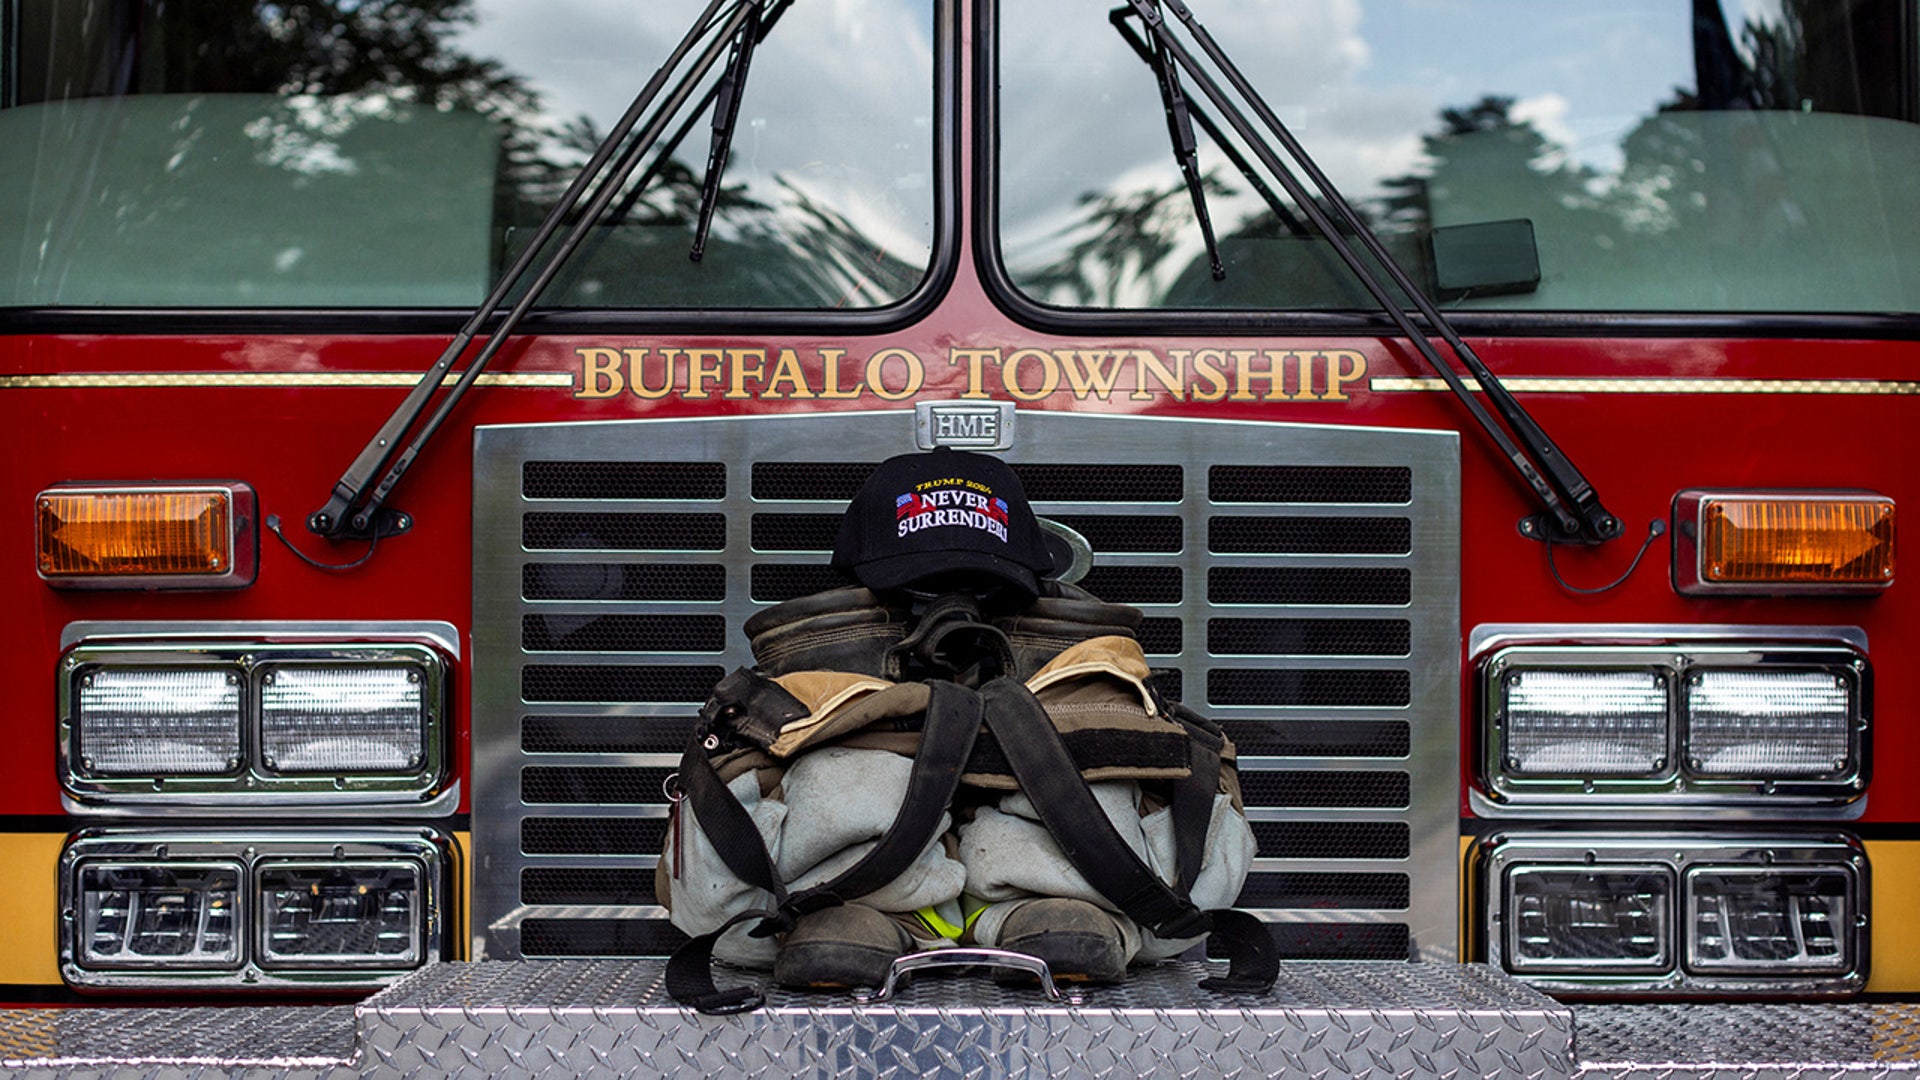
[(830, 368), (1206, 366), (1049, 374), (637, 365), (1025, 374), (974, 358), (787, 371), (1244, 375), (1171, 379), (703, 367), (599, 373), (1090, 372), (1343, 366), (742, 363), (876, 374), (1309, 384)]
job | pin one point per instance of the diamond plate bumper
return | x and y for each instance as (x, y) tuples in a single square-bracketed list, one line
[(566, 1018)]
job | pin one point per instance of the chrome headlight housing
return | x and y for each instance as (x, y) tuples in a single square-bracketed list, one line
[(1690, 723), (185, 722), (1669, 915), (292, 910)]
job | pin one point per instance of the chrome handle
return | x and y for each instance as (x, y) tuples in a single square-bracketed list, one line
[(948, 958)]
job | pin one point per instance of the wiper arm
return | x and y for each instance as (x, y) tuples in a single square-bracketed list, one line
[(1118, 17), (345, 515), (1573, 507), (726, 113), (1186, 152), (671, 145)]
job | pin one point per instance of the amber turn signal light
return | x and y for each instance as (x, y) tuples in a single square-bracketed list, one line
[(173, 536), (1821, 542)]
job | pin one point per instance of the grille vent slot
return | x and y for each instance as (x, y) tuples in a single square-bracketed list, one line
[(1299, 586), (623, 581), (624, 532), (623, 480)]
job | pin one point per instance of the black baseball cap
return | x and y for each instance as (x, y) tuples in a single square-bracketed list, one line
[(941, 514)]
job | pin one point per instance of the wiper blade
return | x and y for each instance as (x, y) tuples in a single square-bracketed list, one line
[(726, 113), (1118, 17), (1186, 152), (1573, 507), (352, 511)]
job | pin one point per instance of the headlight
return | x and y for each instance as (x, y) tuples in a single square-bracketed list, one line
[(157, 721), (173, 915), (350, 914), (1578, 918), (201, 722), (342, 719), (1575, 722), (1619, 915), (1694, 723), (348, 908), (1751, 919), (1769, 724)]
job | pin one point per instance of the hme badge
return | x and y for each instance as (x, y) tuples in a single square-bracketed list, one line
[(963, 425)]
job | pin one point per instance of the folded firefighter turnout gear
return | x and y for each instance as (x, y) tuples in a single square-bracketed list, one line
[(903, 771)]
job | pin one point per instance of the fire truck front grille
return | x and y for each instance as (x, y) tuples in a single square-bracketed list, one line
[(1300, 586)]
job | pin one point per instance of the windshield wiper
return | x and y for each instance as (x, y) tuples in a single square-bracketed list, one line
[(1186, 152), (1118, 17), (1573, 509), (726, 113), (352, 511)]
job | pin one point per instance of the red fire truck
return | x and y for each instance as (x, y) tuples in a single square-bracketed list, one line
[(1499, 412)]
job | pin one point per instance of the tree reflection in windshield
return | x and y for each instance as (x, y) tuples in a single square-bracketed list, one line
[(1786, 141), (312, 129)]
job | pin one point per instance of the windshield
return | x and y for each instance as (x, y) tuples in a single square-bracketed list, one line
[(356, 153), (1635, 156)]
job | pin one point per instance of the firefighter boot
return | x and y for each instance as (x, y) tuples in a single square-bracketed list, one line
[(843, 946), (1079, 941)]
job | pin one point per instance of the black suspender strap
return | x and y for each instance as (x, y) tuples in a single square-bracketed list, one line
[(1067, 807), (1193, 798), (946, 741), (952, 723), (690, 973), (1253, 961), (727, 825)]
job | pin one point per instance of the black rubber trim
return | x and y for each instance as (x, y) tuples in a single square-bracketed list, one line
[(1085, 322), (61, 823), (1863, 830), (43, 823), (42, 994)]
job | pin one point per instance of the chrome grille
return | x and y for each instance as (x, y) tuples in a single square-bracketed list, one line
[(1300, 585)]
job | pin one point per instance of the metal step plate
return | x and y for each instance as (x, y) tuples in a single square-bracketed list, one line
[(577, 1017), (1334, 1020)]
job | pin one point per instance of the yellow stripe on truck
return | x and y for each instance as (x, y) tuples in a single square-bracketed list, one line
[(463, 903), (1893, 934), (29, 908)]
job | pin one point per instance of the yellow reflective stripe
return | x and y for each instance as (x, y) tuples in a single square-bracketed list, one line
[(973, 906), (931, 919)]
